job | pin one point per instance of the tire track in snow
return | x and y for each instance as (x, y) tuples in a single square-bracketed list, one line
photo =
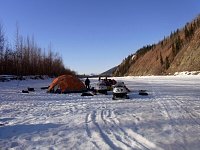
[(135, 139), (163, 109), (104, 136), (88, 120), (167, 105), (185, 117), (177, 130), (96, 133), (115, 131), (122, 137), (142, 140), (190, 114), (102, 130)]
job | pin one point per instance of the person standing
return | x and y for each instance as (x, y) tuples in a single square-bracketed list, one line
[(87, 83)]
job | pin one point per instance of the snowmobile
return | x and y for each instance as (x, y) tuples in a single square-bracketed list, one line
[(101, 87), (120, 91)]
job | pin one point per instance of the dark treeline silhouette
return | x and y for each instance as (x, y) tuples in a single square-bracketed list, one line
[(27, 58)]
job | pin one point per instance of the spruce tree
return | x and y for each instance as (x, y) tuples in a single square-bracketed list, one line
[(161, 59)]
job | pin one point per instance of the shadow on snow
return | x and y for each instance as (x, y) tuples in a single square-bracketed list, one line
[(17, 130)]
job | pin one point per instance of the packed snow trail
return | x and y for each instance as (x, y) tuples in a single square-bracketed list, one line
[(168, 118)]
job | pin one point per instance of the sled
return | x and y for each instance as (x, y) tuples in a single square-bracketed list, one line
[(44, 88), (117, 97), (87, 94), (25, 91), (1, 124), (31, 89), (143, 92)]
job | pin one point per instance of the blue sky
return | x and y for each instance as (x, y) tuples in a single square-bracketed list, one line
[(93, 36)]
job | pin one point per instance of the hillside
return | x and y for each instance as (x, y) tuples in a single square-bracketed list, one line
[(178, 52), (108, 72)]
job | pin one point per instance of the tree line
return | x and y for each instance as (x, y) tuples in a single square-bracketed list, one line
[(27, 58)]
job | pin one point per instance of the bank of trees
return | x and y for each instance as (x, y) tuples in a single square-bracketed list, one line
[(25, 57)]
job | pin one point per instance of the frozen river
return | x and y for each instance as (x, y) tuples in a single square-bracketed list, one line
[(168, 118)]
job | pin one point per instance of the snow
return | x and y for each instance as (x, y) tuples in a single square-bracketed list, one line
[(187, 73), (168, 118), (133, 57)]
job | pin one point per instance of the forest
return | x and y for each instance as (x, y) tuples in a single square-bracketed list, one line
[(25, 57)]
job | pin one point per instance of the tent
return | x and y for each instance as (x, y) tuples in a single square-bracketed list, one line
[(66, 84)]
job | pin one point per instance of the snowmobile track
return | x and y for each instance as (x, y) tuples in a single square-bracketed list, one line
[(103, 125)]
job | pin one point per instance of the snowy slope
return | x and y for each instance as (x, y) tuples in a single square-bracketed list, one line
[(168, 118)]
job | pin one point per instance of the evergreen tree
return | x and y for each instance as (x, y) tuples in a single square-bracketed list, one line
[(167, 63), (186, 31), (161, 59)]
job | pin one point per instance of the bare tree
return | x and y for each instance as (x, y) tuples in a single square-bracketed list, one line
[(2, 43), (28, 59)]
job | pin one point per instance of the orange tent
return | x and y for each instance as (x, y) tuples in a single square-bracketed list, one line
[(66, 84)]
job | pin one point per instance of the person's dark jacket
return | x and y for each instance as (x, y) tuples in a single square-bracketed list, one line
[(87, 82)]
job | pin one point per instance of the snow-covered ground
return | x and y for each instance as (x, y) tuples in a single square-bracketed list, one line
[(168, 118)]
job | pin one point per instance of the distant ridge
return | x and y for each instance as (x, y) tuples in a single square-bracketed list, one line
[(176, 53), (109, 72)]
